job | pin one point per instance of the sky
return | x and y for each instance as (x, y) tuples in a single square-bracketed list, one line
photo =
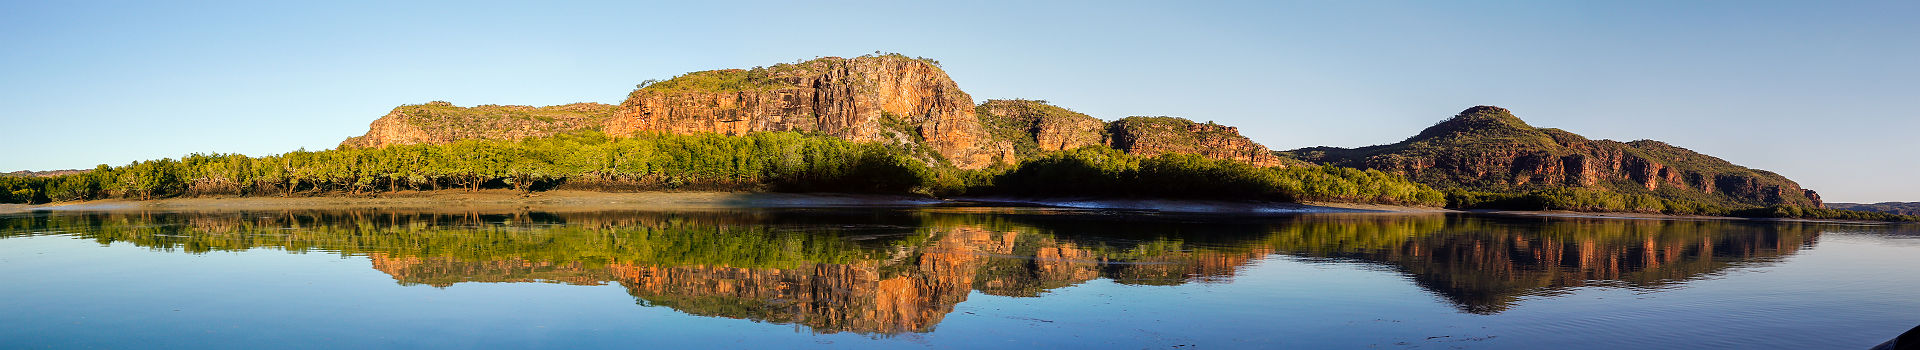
[(1823, 92)]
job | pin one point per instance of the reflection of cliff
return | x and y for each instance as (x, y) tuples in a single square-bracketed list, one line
[(1484, 266), (881, 271), (442, 272), (875, 296), (910, 290)]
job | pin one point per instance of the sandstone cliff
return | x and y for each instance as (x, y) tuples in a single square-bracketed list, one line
[(1488, 148), (442, 122), (886, 98), (1159, 135), (906, 102)]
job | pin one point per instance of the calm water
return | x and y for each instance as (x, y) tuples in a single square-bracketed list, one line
[(945, 278)]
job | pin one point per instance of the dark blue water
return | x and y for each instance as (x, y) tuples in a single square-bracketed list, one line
[(945, 278)]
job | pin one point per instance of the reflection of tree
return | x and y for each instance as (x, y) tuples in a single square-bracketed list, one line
[(903, 271)]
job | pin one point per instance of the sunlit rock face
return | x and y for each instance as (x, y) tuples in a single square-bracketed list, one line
[(890, 98)]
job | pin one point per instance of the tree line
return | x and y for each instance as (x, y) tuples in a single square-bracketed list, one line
[(763, 161), (1589, 200), (777, 161), (794, 162)]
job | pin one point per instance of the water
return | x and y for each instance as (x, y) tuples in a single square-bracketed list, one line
[(945, 278)]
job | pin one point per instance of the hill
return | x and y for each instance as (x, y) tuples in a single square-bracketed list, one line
[(1487, 148), (48, 173), (904, 102), (1901, 208), (440, 122)]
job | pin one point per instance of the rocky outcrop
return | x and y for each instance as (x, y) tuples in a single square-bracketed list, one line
[(441, 122), (1488, 148), (1035, 127), (1159, 135), (886, 98)]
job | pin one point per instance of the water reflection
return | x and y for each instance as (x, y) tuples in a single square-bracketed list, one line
[(897, 271)]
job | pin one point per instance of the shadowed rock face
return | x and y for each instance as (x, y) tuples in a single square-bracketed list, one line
[(890, 99), (1488, 148)]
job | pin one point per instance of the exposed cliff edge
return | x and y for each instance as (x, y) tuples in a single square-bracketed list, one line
[(1488, 148), (877, 98)]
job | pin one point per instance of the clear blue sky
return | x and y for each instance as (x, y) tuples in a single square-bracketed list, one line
[(1822, 92)]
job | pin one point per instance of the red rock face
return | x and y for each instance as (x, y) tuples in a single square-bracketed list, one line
[(878, 99)]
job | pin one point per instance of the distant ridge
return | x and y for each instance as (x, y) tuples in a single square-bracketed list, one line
[(1487, 148), (48, 173), (1901, 208)]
